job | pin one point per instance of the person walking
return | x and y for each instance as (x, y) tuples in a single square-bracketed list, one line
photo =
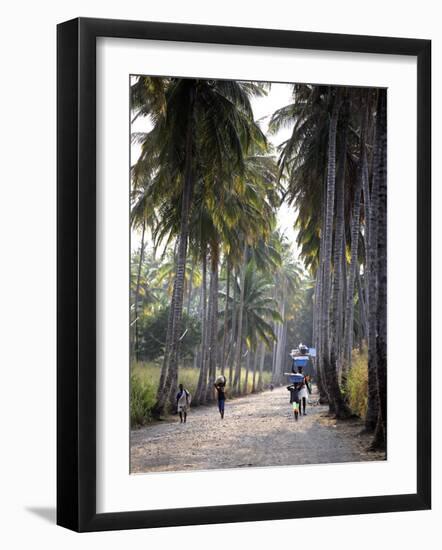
[(294, 390), (303, 392), (220, 387), (183, 399)]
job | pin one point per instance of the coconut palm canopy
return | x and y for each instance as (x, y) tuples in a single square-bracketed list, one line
[(257, 213)]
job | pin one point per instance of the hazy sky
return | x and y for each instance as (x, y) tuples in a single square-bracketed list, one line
[(263, 107)]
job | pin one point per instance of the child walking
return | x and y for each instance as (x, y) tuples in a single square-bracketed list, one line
[(303, 391), (294, 390)]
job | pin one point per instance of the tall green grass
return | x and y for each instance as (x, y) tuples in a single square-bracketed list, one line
[(145, 377), (357, 383), (142, 399)]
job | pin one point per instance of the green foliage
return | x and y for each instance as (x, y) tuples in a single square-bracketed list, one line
[(153, 330), (266, 379), (357, 383), (300, 322), (259, 307), (142, 398)]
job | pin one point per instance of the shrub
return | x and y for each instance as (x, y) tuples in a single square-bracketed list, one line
[(142, 398), (153, 328), (357, 383)]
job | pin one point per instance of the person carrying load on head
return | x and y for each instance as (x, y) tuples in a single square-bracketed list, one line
[(293, 354), (220, 386), (303, 349), (299, 359)]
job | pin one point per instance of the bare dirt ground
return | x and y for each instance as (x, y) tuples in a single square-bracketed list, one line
[(257, 430)]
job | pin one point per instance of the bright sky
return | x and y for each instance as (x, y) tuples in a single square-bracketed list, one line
[(263, 107)]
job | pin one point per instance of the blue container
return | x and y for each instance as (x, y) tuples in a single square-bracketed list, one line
[(301, 361), (296, 378)]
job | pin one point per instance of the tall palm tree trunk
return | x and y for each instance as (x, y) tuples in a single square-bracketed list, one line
[(342, 301), (316, 318), (137, 293), (362, 307), (261, 366), (354, 265), (366, 196), (337, 286), (320, 373), (276, 328), (213, 326), (281, 340), (255, 368), (373, 403), (164, 368), (282, 361), (380, 438), (239, 339), (366, 191), (231, 352), (226, 316), (200, 395), (248, 361), (189, 291), (336, 405), (176, 310)]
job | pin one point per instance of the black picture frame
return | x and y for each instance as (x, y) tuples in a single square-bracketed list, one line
[(76, 273)]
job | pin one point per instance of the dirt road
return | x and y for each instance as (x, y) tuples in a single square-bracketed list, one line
[(258, 430)]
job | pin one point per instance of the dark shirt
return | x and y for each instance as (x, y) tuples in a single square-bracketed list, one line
[(294, 392), (221, 393)]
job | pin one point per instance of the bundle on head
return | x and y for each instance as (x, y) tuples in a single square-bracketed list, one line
[(220, 381)]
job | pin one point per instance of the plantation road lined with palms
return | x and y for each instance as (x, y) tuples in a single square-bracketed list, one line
[(258, 223), (258, 430)]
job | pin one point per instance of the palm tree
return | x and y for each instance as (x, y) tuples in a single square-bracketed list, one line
[(381, 345), (137, 291), (254, 313), (288, 278), (200, 395), (307, 160), (354, 259), (261, 365), (373, 404), (239, 338), (303, 163), (213, 318), (337, 286), (208, 126), (337, 404), (226, 311)]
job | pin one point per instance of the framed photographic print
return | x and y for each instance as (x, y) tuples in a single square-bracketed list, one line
[(243, 274)]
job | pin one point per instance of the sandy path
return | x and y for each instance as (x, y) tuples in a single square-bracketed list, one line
[(258, 430)]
